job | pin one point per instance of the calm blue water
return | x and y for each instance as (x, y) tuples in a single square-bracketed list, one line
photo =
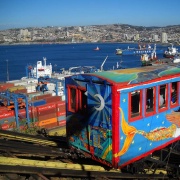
[(64, 56)]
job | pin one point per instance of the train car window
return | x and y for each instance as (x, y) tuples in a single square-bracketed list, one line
[(162, 97), (174, 94), (82, 101), (72, 99), (150, 99), (135, 104)]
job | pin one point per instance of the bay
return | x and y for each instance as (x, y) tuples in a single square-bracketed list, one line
[(14, 58)]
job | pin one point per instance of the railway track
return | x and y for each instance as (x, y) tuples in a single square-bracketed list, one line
[(28, 156)]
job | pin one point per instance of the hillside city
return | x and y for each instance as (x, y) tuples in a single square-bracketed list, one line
[(90, 34)]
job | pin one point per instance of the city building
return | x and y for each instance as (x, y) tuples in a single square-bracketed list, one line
[(164, 37)]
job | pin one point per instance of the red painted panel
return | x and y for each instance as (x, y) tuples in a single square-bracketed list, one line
[(92, 149), (115, 125)]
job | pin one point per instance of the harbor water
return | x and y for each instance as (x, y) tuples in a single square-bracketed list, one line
[(14, 58)]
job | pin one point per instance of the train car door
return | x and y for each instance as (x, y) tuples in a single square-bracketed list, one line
[(99, 102)]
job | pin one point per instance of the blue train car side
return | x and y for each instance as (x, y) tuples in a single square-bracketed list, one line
[(121, 116)]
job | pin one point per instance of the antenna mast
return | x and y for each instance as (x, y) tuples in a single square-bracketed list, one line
[(7, 70)]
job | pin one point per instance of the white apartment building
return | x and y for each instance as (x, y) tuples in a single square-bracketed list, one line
[(155, 37), (136, 37), (164, 37), (79, 29), (25, 35)]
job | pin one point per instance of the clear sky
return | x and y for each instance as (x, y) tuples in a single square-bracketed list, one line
[(42, 13)]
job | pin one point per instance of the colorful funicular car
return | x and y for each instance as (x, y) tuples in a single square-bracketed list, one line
[(121, 116)]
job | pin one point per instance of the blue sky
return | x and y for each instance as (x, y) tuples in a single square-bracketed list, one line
[(42, 13)]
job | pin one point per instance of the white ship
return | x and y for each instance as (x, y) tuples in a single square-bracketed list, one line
[(42, 78)]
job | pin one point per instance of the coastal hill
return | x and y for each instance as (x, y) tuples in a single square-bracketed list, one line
[(94, 33)]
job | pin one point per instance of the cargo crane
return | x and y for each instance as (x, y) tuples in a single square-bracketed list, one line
[(15, 98), (42, 84)]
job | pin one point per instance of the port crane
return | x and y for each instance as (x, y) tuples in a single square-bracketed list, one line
[(43, 81), (12, 97)]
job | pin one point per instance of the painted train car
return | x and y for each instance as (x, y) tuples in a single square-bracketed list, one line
[(121, 116)]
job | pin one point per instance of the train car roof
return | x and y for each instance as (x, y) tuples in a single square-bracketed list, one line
[(138, 74)]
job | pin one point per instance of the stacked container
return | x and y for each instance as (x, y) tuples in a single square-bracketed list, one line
[(44, 109), (46, 115), (7, 119), (61, 113), (32, 111), (5, 86)]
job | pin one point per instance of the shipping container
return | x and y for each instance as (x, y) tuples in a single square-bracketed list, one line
[(20, 91), (38, 102), (49, 111), (7, 126), (50, 126), (53, 99), (14, 88), (32, 114), (46, 116), (61, 113), (31, 88), (7, 120), (3, 109), (62, 123), (61, 108), (43, 96), (6, 114), (33, 94), (61, 118), (46, 107), (5, 86), (47, 121)]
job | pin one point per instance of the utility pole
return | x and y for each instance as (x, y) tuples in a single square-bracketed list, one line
[(7, 70)]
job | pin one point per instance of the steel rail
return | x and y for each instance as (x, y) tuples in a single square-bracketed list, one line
[(28, 138), (59, 169)]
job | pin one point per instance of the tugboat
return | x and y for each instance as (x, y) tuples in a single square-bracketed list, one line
[(97, 48), (118, 51)]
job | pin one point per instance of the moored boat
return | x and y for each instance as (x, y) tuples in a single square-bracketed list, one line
[(141, 50), (149, 61), (171, 52), (97, 48), (146, 59), (176, 59), (118, 51)]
